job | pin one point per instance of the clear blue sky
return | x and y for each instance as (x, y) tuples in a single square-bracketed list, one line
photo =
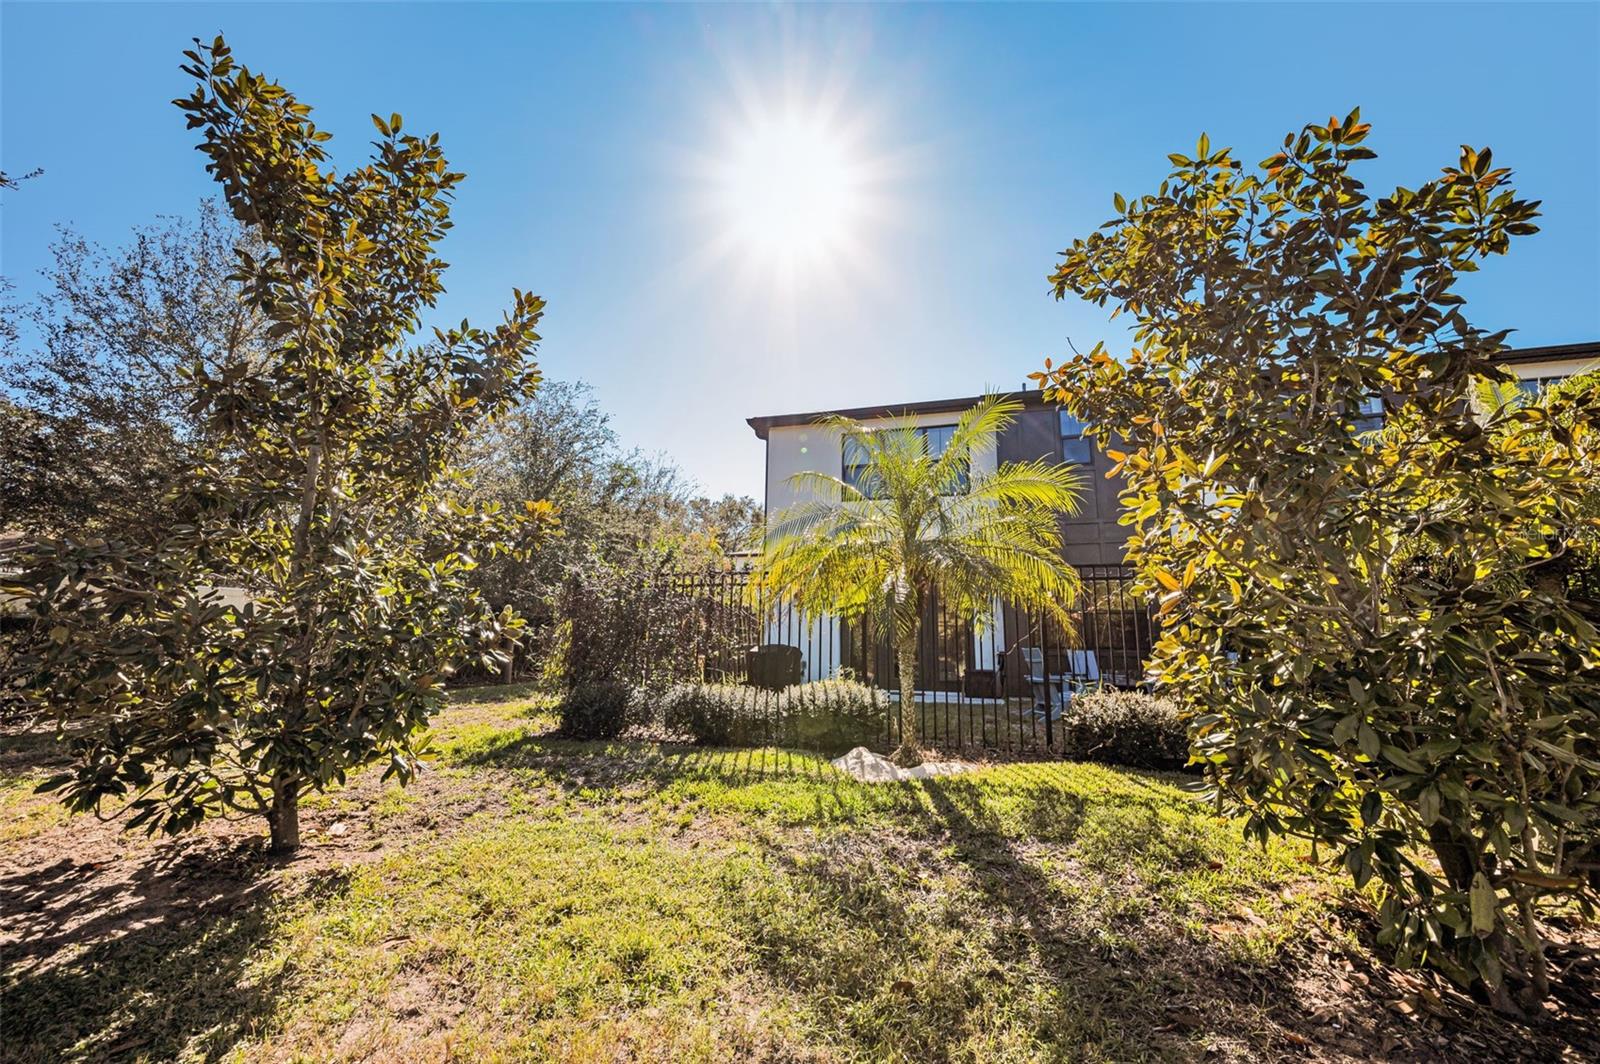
[(980, 140)]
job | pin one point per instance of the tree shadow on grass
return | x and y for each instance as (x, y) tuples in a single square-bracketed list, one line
[(137, 958), (576, 765), (902, 965), (1110, 973), (1054, 958), (1128, 995)]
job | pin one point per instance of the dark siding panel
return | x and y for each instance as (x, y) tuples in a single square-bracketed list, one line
[(1082, 553), (1030, 437), (1092, 536), (1080, 531)]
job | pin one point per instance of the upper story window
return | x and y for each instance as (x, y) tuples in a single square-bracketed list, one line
[(1369, 415), (1075, 449), (1532, 386), (857, 470), (854, 458)]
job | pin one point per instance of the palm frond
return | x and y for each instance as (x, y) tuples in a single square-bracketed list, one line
[(998, 539)]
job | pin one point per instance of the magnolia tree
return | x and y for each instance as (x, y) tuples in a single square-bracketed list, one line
[(1376, 629), (296, 619)]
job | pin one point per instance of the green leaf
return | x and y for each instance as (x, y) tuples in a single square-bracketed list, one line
[(1429, 804), (1572, 816), (1396, 756), (1371, 808), (1368, 740)]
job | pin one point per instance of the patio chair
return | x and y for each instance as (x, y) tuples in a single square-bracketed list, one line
[(1084, 668), (1053, 692), (774, 666), (1050, 694)]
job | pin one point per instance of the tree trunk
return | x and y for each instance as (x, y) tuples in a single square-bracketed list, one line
[(909, 752), (1457, 857), (284, 816)]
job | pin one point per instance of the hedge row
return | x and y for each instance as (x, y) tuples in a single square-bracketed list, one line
[(825, 714), (1126, 728), (1119, 727)]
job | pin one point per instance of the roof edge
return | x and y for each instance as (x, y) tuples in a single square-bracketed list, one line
[(761, 425), (1031, 397), (1550, 352)]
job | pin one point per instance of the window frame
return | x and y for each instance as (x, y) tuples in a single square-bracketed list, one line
[(1072, 430), (1533, 387), (1370, 415), (851, 472)]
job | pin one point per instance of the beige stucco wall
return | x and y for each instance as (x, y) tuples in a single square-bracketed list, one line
[(1565, 367)]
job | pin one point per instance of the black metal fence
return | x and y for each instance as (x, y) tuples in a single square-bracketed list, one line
[(1000, 685)]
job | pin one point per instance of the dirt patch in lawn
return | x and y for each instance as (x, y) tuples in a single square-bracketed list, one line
[(94, 913), (1355, 1000), (83, 881)]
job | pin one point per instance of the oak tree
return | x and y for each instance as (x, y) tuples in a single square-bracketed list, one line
[(102, 417)]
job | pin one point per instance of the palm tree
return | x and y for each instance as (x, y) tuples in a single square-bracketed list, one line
[(909, 523)]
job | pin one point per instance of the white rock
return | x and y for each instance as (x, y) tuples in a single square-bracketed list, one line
[(864, 765)]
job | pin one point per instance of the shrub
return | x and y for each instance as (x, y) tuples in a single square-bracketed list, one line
[(719, 714), (638, 620), (20, 642), (1126, 728), (834, 714), (826, 714), (597, 709)]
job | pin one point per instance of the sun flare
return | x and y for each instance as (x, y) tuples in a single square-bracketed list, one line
[(792, 190), (797, 184)]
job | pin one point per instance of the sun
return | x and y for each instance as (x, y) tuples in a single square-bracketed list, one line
[(790, 190), (796, 183)]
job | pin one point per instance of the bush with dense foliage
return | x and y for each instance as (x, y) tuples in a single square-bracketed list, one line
[(1126, 728), (630, 621), (298, 619), (822, 715), (595, 709), (1377, 629), (719, 714), (100, 416), (832, 714)]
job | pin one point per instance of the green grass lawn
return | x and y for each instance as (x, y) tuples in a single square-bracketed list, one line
[(531, 898)]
